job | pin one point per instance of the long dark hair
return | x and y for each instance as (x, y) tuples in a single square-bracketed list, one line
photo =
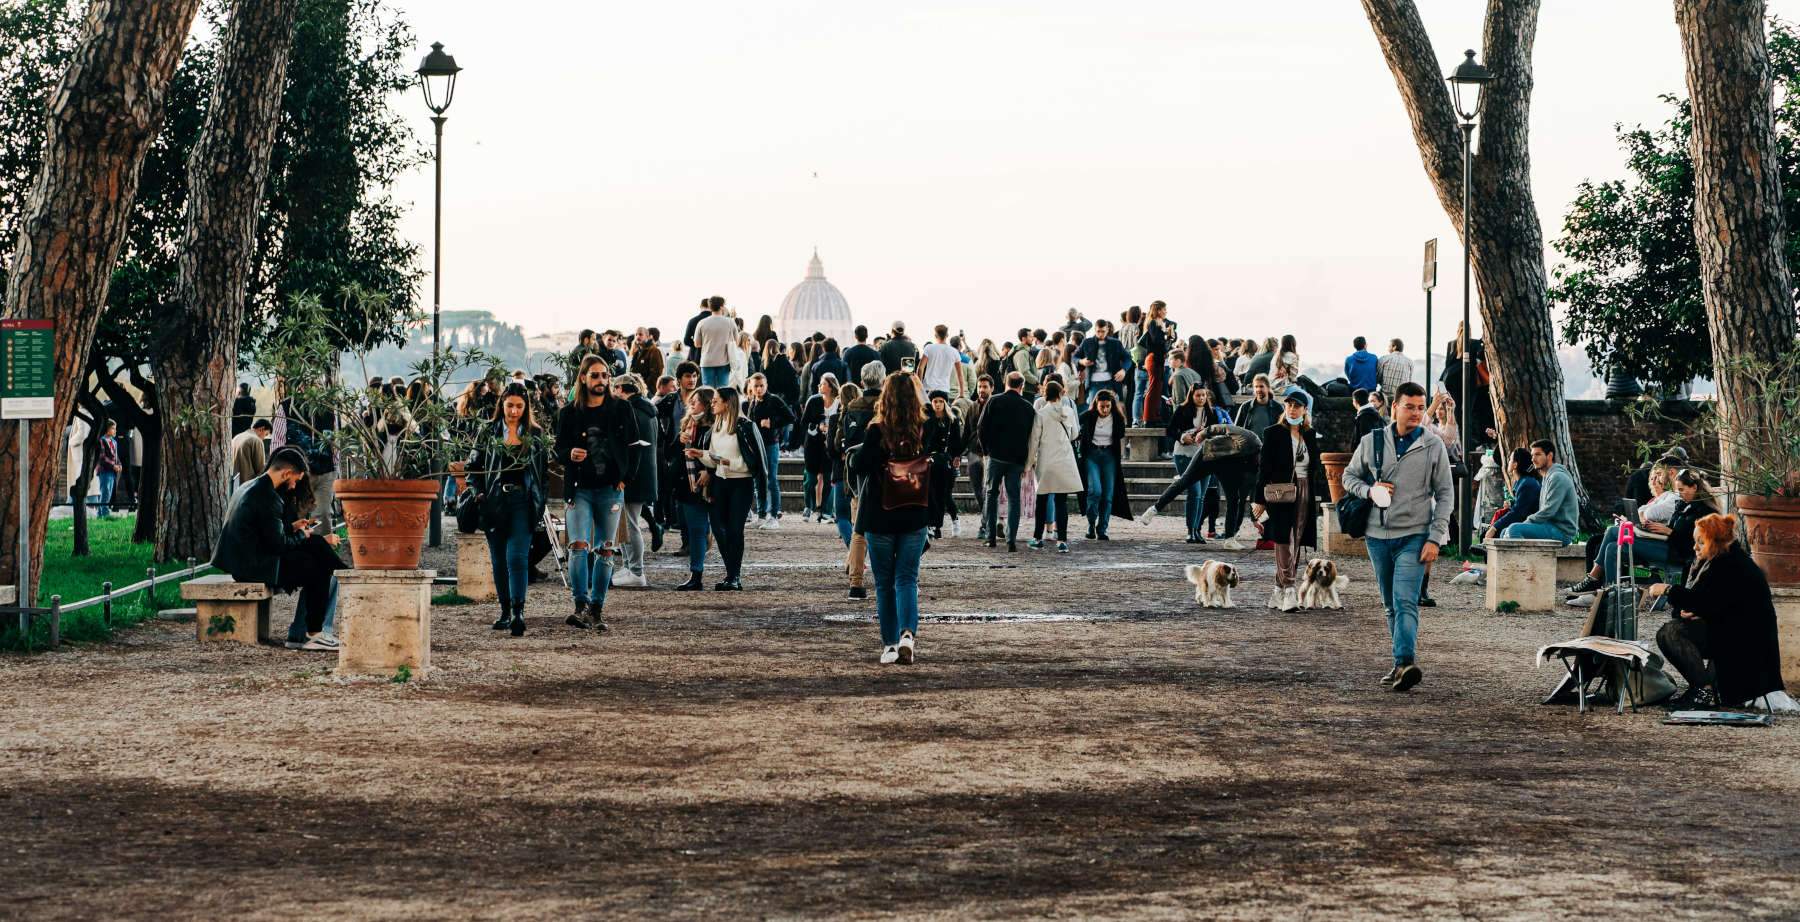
[(1521, 463), (581, 385), (901, 416), (516, 389)]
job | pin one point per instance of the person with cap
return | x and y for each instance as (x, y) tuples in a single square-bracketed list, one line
[(943, 441), (1290, 488)]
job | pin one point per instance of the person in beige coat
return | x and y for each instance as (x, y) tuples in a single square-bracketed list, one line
[(1051, 454)]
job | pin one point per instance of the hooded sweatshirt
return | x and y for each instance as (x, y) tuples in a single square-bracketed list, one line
[(1558, 505)]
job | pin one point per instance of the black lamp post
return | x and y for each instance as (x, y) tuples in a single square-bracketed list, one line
[(437, 78), (1468, 85)]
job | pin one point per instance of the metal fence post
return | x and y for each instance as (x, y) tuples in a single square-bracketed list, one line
[(55, 621), (106, 606)]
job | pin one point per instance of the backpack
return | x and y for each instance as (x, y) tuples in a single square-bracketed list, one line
[(1353, 510)]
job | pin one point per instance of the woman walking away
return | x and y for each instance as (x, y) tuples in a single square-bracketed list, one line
[(1102, 452), (508, 471), (896, 467), (694, 485), (1290, 488), (735, 455), (1052, 456), (943, 441)]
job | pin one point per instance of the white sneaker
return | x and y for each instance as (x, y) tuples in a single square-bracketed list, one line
[(956, 528), (1290, 599), (1586, 600), (805, 516), (319, 643), (627, 578), (1230, 544), (773, 524), (890, 655), (906, 649), (1275, 597), (1148, 516), (759, 522)]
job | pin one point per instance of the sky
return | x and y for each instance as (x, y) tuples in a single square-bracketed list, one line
[(985, 164)]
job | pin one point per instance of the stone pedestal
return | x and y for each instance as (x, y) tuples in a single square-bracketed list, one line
[(1522, 570), (1571, 564), (384, 621), (1787, 629), (1334, 542), (1143, 444), (474, 569), (228, 610)]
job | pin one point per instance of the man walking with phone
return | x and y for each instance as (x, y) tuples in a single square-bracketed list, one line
[(1412, 494)]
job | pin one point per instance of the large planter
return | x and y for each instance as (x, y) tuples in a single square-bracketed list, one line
[(387, 521), (1335, 462), (1773, 524)]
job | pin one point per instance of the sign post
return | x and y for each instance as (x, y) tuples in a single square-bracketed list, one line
[(27, 392), (1430, 282)]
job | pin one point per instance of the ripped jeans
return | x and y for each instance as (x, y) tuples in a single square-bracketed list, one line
[(593, 521)]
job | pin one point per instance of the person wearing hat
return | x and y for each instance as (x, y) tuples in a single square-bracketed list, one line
[(1290, 487), (943, 441)]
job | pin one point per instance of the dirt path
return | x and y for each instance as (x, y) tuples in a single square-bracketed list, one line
[(739, 754)]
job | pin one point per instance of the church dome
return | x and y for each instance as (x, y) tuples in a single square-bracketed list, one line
[(815, 306)]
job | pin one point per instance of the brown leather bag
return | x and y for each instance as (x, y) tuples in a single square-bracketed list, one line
[(906, 483)]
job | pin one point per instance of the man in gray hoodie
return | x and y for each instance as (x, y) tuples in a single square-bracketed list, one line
[(1413, 495), (1559, 507)]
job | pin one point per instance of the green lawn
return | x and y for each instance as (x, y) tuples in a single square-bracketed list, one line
[(111, 557)]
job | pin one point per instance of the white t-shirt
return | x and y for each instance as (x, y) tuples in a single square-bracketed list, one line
[(1103, 431), (941, 360), (715, 336)]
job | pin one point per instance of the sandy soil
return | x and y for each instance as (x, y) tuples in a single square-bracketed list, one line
[(740, 754)]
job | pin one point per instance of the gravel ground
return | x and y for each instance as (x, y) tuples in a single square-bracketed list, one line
[(742, 754)]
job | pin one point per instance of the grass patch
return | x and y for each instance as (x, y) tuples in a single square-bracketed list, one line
[(111, 557), (451, 598)]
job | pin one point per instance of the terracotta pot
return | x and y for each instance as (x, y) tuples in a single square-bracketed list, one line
[(1335, 462), (387, 521), (1773, 524)]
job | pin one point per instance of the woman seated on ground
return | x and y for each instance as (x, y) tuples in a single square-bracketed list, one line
[(1526, 487), (1722, 638), (1669, 544)]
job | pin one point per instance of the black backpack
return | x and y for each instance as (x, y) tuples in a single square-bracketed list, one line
[(1353, 511)]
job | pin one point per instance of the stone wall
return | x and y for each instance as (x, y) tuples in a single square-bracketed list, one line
[(1606, 440)]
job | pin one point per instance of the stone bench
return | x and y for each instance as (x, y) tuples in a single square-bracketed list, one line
[(1332, 541), (1571, 563), (1787, 630), (1143, 444), (225, 609), (1522, 570), (474, 568)]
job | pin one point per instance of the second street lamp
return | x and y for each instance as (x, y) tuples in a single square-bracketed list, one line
[(1468, 88), (437, 79)]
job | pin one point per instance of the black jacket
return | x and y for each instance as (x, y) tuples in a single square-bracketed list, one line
[(865, 462), (1006, 427), (687, 336), (750, 444), (856, 357), (1257, 417), (642, 487), (1121, 507), (1278, 467), (827, 364), (1367, 421), (896, 349), (784, 380), (1731, 594), (972, 426), (771, 408), (1117, 360), (485, 470), (243, 413), (616, 463), (943, 437), (254, 538), (848, 428)]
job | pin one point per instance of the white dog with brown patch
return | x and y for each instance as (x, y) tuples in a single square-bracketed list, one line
[(1320, 584), (1213, 582)]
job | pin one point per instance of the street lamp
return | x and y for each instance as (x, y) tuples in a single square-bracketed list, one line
[(437, 79), (1468, 85)]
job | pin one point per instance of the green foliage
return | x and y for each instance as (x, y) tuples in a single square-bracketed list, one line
[(402, 675), (1629, 285), (1767, 453), (451, 598), (112, 558), (220, 624), (1508, 607)]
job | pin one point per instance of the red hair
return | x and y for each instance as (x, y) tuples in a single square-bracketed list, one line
[(1714, 534)]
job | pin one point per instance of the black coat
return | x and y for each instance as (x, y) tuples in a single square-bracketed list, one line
[(618, 425), (865, 461), (896, 349), (1367, 421), (486, 470), (1121, 506), (255, 535), (770, 408), (1731, 594), (943, 437), (1006, 427), (642, 487), (856, 357), (784, 380), (750, 445), (1278, 467), (808, 437)]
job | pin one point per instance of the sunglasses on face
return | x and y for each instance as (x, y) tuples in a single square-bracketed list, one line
[(596, 376)]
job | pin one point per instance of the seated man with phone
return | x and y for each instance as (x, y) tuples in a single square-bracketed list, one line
[(266, 540)]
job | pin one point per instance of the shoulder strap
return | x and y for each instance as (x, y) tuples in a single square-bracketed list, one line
[(1380, 450)]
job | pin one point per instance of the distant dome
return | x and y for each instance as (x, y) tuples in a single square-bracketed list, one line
[(815, 306)]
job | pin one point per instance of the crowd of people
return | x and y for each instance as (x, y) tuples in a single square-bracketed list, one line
[(688, 444)]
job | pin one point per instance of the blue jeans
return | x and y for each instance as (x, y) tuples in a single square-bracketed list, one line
[(1642, 551), (1196, 494), (107, 480), (895, 560), (593, 523), (696, 519), (1400, 575), (1542, 531), (771, 498), (715, 376), (1101, 466), (1141, 380), (1003, 472), (840, 501), (510, 550)]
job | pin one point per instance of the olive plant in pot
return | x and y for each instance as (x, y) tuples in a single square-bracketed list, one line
[(393, 445)]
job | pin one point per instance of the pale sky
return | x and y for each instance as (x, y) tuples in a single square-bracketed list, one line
[(987, 164)]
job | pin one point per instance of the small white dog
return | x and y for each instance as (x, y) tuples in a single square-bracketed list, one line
[(1320, 584), (1213, 582)]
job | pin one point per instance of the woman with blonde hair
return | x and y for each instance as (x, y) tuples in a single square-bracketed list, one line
[(1723, 638), (892, 514), (733, 453)]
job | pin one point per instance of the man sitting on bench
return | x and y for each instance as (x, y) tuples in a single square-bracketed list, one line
[(1559, 508), (265, 541)]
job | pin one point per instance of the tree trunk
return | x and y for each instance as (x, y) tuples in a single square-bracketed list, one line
[(104, 115), (142, 417), (1738, 222), (1507, 244), (227, 176)]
